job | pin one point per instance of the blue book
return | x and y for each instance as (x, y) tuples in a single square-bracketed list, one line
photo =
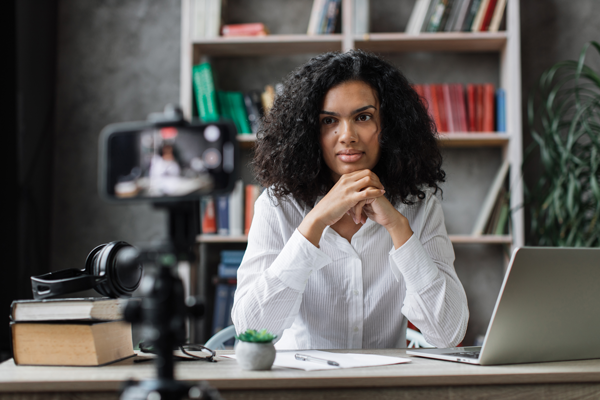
[(228, 271), (221, 317), (223, 215), (231, 295), (232, 256), (500, 110)]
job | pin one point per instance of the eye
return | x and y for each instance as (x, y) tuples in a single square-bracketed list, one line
[(363, 117), (327, 121)]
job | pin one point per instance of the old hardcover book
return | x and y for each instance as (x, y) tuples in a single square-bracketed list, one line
[(89, 308), (73, 343)]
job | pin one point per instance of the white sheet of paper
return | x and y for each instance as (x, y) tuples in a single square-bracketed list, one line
[(287, 359)]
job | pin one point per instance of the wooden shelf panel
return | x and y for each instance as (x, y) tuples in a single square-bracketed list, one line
[(482, 239), (268, 45), (427, 42), (457, 239), (456, 139), (473, 139)]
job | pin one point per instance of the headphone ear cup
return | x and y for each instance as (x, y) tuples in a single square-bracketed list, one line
[(91, 260), (122, 277)]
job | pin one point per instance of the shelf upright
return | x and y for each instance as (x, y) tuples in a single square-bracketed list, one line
[(510, 79)]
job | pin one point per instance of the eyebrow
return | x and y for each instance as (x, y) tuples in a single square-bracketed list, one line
[(353, 112)]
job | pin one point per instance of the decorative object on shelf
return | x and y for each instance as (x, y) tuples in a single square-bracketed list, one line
[(254, 350), (564, 119)]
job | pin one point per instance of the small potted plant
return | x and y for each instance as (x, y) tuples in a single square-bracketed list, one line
[(254, 350)]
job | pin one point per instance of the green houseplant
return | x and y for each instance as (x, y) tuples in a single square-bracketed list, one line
[(254, 350), (564, 120)]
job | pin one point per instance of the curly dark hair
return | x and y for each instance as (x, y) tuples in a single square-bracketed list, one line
[(288, 156)]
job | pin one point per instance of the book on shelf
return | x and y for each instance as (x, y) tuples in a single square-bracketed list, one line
[(225, 289), (71, 343), (497, 17), (208, 215), (500, 110), (499, 217), (254, 109), (86, 308), (236, 209), (489, 108), (323, 17), (417, 17), (206, 20), (220, 307), (222, 215), (461, 14), (471, 14), (233, 107), (478, 20), (455, 16), (360, 17), (252, 193), (248, 29), (487, 17), (490, 199), (204, 92), (455, 108)]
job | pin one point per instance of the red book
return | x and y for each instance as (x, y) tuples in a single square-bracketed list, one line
[(209, 217), (479, 108), (252, 29), (449, 107), (471, 107), (488, 108), (252, 193), (432, 106), (461, 109), (489, 13), (438, 98)]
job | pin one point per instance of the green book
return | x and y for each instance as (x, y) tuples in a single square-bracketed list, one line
[(240, 114), (204, 90)]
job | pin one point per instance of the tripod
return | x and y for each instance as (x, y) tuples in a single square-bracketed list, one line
[(162, 311)]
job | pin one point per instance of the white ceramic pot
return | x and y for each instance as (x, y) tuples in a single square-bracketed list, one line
[(255, 356)]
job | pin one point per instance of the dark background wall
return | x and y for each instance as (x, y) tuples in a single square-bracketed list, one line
[(84, 64)]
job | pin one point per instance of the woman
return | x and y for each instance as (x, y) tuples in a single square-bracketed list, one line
[(348, 241)]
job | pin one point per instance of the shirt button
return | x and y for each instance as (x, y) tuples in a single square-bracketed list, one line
[(355, 292), (356, 329)]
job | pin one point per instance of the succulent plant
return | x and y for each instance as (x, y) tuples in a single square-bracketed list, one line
[(254, 336)]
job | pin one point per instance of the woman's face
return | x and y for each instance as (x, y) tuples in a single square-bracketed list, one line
[(350, 126)]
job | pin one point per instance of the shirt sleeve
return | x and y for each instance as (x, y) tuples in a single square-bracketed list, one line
[(276, 267), (435, 300)]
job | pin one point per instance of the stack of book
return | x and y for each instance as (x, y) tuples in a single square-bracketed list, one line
[(229, 215), (454, 108), (243, 109), (225, 282), (70, 332), (250, 29), (456, 16)]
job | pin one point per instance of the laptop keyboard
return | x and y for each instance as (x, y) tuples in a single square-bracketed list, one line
[(467, 354)]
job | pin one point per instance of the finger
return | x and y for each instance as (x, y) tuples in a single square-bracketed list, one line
[(358, 213)]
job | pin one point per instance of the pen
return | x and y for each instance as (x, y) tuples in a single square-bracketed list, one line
[(303, 357)]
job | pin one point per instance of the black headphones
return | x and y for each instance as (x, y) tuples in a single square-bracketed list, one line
[(111, 269)]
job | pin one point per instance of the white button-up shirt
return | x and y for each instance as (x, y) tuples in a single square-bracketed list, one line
[(349, 295)]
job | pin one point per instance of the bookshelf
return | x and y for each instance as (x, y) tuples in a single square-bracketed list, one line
[(504, 44)]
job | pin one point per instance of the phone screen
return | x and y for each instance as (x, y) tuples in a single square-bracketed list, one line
[(168, 162)]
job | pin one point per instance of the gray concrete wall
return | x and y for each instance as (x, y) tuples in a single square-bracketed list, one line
[(119, 61)]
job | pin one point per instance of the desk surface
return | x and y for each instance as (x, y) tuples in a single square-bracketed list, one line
[(225, 375)]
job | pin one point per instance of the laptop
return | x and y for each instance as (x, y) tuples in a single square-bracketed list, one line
[(548, 310)]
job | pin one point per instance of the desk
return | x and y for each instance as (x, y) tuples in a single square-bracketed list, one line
[(420, 379)]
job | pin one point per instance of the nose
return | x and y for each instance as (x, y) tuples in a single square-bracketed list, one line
[(346, 133)]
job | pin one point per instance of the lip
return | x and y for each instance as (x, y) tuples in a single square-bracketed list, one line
[(350, 155)]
